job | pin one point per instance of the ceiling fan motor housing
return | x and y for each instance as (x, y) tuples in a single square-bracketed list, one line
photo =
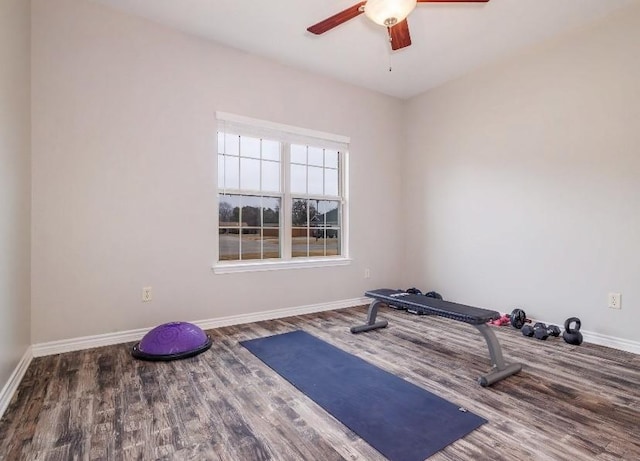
[(388, 12)]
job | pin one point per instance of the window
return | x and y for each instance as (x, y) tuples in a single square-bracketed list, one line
[(281, 196)]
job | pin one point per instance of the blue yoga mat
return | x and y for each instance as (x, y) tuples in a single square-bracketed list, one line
[(401, 420)]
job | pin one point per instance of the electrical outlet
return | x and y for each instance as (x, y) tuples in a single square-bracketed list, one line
[(367, 273), (614, 301), (146, 294)]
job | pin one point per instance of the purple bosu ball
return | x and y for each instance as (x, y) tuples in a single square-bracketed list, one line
[(171, 341)]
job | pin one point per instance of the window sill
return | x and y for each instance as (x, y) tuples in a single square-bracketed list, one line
[(306, 263)]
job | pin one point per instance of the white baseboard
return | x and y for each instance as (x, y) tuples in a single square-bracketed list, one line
[(6, 394), (610, 341), (107, 339)]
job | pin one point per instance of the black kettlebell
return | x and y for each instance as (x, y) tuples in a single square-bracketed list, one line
[(413, 291), (433, 294), (572, 335)]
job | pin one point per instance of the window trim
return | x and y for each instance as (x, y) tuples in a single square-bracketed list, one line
[(256, 127), (287, 134), (233, 267)]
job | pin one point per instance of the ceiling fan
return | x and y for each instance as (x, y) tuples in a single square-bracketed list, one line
[(391, 14)]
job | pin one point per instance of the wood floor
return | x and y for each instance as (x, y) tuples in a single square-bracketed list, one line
[(568, 403)]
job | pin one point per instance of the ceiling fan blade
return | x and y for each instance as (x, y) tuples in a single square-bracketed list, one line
[(399, 35), (337, 19), (452, 1)]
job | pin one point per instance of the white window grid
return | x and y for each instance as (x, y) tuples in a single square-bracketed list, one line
[(285, 195)]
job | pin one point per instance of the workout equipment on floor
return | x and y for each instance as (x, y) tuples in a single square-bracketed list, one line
[(503, 320), (527, 330), (540, 331), (571, 334), (468, 314), (518, 318), (433, 294), (172, 341)]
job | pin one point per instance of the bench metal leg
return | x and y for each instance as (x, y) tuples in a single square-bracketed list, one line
[(371, 319), (500, 369)]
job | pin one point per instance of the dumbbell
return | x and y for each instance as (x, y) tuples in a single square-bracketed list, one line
[(540, 331), (527, 330)]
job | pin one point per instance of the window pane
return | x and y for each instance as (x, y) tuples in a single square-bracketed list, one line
[(270, 243), (331, 159), (249, 147), (251, 215), (229, 211), (231, 172), (298, 154), (330, 182), (329, 210), (332, 243), (316, 156), (249, 174), (316, 234), (270, 150), (299, 213), (221, 171), (229, 244), (298, 179), (316, 243), (299, 242), (270, 212), (251, 243), (314, 218), (316, 180), (220, 142), (249, 227), (232, 144), (271, 176)]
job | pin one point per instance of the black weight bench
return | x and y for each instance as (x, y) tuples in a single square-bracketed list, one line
[(420, 304)]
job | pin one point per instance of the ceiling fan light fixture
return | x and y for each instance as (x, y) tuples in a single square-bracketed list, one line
[(388, 12)]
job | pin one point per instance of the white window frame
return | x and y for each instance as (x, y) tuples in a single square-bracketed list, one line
[(286, 134)]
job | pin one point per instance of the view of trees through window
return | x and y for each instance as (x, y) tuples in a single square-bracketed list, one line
[(261, 216), (315, 228), (249, 227)]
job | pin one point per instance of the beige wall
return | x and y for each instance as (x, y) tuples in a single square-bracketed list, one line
[(15, 184), (522, 181), (124, 174), (519, 184)]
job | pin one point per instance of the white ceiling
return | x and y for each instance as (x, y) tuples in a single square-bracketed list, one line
[(448, 39)]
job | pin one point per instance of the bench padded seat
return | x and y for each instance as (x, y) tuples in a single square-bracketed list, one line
[(432, 306)]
